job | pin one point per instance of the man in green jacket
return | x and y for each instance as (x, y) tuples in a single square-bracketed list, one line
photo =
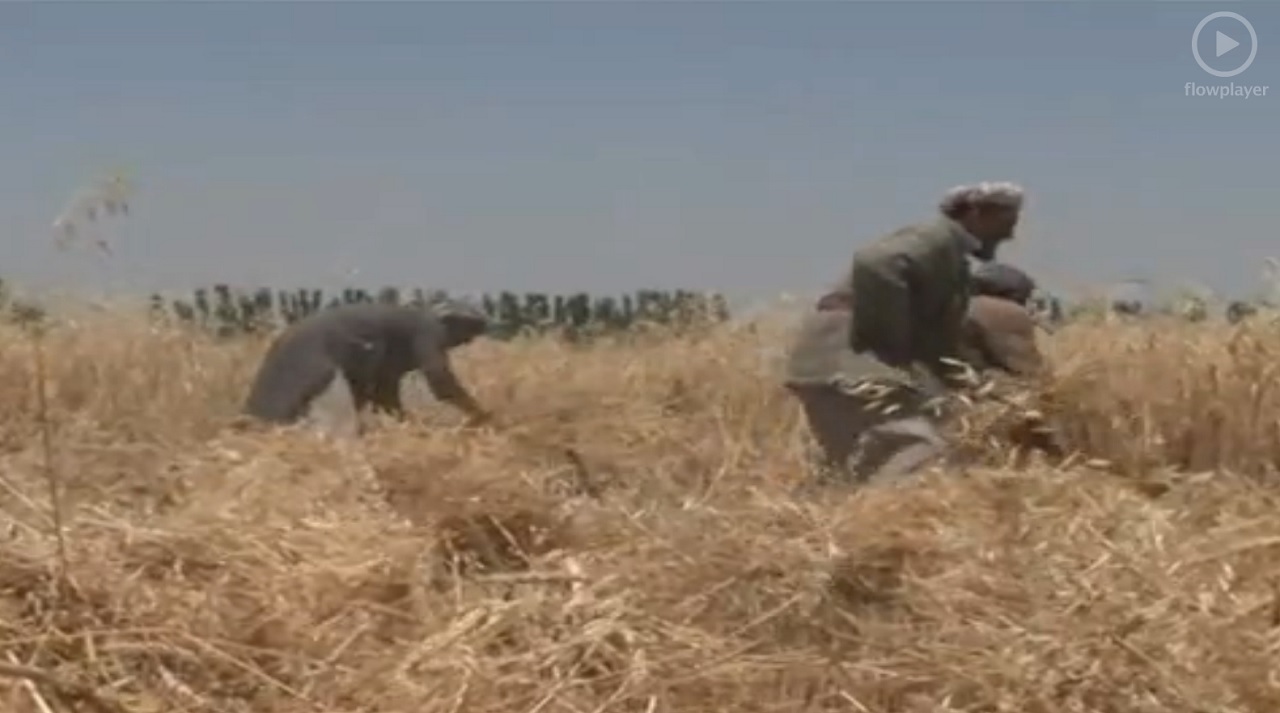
[(870, 363)]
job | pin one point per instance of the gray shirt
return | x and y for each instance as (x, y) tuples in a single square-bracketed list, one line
[(373, 346)]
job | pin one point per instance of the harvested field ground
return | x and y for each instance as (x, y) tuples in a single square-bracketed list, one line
[(434, 569)]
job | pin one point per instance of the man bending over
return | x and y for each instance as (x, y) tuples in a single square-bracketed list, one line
[(366, 348)]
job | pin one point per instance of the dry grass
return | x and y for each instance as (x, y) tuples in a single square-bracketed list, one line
[(432, 569)]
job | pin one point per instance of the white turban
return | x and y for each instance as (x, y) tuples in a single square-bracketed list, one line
[(1001, 193), (458, 309)]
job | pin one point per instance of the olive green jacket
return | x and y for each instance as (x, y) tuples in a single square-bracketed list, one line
[(904, 298)]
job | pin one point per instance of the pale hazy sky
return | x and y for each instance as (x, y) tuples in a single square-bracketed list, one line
[(745, 147)]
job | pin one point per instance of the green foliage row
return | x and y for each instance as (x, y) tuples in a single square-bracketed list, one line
[(1187, 309), (227, 311)]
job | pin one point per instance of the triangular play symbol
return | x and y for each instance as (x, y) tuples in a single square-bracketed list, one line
[(1224, 44)]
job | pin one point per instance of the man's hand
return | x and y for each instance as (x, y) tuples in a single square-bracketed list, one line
[(927, 381), (1033, 432), (480, 417)]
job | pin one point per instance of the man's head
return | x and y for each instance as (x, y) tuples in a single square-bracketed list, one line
[(462, 321), (988, 210), (1006, 282)]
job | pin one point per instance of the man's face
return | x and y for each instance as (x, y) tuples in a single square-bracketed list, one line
[(998, 222), (463, 330), (992, 225)]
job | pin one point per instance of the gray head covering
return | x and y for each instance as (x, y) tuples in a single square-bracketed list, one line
[(995, 279), (462, 319), (452, 307), (1001, 193)]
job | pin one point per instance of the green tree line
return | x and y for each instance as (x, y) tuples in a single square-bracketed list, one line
[(228, 311)]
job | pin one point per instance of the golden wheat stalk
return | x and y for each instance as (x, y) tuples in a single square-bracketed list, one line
[(105, 198)]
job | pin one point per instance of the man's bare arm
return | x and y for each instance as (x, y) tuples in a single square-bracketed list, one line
[(433, 358), (445, 386)]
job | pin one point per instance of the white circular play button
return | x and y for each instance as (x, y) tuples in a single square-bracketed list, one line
[(1224, 43)]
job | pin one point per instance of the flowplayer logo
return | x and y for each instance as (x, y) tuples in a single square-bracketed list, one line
[(1225, 91), (1224, 43)]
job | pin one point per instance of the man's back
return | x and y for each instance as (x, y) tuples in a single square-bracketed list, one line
[(912, 285), (354, 332), (367, 343), (901, 301)]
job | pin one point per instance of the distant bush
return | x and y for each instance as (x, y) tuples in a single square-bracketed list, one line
[(228, 311)]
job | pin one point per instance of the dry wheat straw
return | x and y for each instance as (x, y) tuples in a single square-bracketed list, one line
[(448, 570)]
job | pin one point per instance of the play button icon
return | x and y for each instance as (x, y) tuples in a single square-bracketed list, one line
[(1224, 43)]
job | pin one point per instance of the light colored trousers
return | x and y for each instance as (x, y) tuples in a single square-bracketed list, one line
[(883, 436), (333, 412)]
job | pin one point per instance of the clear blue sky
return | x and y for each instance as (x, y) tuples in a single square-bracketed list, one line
[(740, 146)]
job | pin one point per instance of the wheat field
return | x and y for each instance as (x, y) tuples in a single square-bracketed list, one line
[(428, 568)]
